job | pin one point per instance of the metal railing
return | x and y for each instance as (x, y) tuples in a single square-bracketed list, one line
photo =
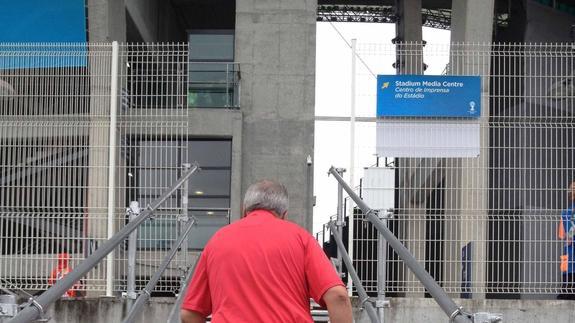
[(213, 85), (453, 312), (37, 306), (342, 255), (147, 291)]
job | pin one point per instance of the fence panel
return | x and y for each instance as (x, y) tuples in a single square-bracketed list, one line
[(54, 153), (484, 225)]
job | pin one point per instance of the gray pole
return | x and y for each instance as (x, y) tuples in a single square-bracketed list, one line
[(339, 221), (175, 313), (363, 298), (145, 293), (442, 299), (37, 306), (381, 272), (133, 211), (184, 218)]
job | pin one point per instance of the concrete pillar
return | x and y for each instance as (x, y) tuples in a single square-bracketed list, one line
[(106, 20), (95, 227), (408, 26), (472, 28), (409, 60), (106, 23), (275, 44)]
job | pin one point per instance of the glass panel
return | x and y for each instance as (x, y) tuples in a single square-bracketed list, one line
[(199, 202), (205, 229), (157, 234), (211, 46), (210, 182), (220, 73), (210, 97), (211, 153), (209, 188), (211, 84)]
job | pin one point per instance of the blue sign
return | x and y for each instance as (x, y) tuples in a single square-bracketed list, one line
[(25, 24), (428, 96)]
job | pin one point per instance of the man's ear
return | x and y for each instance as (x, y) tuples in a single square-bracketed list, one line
[(284, 215), (242, 212)]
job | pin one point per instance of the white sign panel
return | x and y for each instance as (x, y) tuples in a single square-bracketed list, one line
[(378, 187), (431, 138)]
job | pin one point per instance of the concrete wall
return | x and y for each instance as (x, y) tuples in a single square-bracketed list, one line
[(402, 310), (275, 45), (426, 310)]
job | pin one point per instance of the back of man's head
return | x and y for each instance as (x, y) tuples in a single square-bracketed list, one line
[(266, 195)]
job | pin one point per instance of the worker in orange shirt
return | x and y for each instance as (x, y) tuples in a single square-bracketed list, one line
[(62, 270), (566, 232)]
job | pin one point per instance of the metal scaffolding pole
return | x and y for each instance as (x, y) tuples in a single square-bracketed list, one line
[(340, 220), (363, 298), (453, 311), (37, 306), (146, 292), (175, 312)]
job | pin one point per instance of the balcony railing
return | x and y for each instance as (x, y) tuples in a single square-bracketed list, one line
[(213, 85)]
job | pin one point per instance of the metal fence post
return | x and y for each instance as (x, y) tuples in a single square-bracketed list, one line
[(112, 165), (184, 217), (339, 221), (381, 269)]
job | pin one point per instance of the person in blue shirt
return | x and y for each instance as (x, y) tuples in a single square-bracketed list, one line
[(566, 233)]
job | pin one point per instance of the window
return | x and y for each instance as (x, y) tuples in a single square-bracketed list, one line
[(213, 76), (158, 166)]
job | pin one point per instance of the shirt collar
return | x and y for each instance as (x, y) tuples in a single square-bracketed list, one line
[(260, 212)]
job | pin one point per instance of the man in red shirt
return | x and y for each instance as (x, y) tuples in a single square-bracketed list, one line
[(264, 268)]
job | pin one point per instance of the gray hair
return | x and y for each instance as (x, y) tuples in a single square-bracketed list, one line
[(267, 195)]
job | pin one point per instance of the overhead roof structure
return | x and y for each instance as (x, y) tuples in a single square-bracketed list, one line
[(435, 13)]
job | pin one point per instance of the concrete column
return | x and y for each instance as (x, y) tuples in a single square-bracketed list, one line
[(275, 45), (408, 26), (95, 228), (472, 27), (409, 60), (106, 20)]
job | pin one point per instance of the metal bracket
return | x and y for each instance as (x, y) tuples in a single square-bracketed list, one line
[(145, 291), (455, 313), (151, 217), (339, 223), (484, 317), (129, 295), (382, 303), (32, 302)]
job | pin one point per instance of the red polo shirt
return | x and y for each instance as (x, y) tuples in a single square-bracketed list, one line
[(260, 269)]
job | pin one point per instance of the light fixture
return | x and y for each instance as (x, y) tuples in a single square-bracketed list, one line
[(199, 192), (210, 213)]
